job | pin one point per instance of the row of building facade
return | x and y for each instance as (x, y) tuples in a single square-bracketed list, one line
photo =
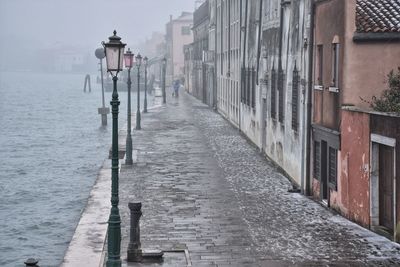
[(294, 77)]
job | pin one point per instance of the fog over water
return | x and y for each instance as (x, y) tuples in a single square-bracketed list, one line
[(27, 26), (51, 142)]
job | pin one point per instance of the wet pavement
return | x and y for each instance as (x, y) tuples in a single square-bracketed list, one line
[(205, 189)]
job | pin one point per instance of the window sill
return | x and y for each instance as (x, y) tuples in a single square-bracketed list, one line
[(333, 89), (318, 87)]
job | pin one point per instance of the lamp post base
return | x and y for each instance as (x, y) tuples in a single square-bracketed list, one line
[(113, 263), (103, 112), (138, 118), (128, 159)]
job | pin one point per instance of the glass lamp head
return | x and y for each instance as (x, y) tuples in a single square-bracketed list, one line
[(114, 51), (138, 60), (128, 58)]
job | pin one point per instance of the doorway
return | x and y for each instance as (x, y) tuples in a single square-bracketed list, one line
[(386, 192), (324, 173), (383, 186)]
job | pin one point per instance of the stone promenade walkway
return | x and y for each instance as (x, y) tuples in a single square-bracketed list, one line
[(204, 188)]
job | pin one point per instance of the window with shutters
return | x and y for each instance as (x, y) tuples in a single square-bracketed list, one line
[(334, 87), (332, 169), (281, 95), (243, 87), (320, 68), (253, 88), (295, 98), (248, 86), (273, 93), (317, 160)]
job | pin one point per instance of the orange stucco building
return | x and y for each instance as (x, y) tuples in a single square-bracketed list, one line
[(354, 150)]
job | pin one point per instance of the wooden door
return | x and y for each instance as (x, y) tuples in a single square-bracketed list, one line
[(386, 175)]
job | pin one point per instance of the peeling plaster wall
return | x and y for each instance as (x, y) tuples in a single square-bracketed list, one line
[(281, 142), (353, 198), (250, 117)]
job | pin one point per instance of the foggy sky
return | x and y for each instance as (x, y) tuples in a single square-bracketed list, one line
[(25, 24)]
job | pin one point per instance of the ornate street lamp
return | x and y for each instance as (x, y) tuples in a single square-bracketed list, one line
[(128, 58), (146, 62), (114, 51), (164, 64), (138, 64)]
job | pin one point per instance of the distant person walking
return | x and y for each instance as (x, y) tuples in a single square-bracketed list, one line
[(176, 87)]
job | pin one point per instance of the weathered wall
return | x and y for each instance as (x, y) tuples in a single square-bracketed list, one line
[(389, 126), (329, 25), (353, 197), (227, 58), (250, 115), (282, 142)]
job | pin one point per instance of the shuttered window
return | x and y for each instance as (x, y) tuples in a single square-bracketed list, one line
[(332, 172), (317, 160), (273, 93), (248, 85), (295, 98), (243, 87), (335, 66), (281, 95), (320, 62), (253, 88)]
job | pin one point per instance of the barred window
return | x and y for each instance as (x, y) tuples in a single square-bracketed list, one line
[(253, 87), (273, 93), (295, 98), (317, 160), (243, 86), (248, 85), (333, 167), (281, 95)]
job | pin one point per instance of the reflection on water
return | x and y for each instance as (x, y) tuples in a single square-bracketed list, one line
[(51, 147)]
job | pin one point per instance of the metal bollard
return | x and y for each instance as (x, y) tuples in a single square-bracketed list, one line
[(31, 262), (134, 247)]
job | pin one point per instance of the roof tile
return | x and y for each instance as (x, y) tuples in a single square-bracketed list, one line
[(378, 16)]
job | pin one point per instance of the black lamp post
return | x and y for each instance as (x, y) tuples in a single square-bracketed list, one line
[(114, 51), (145, 61), (164, 64), (138, 64), (128, 58)]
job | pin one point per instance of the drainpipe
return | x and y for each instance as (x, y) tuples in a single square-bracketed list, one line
[(261, 110), (228, 74), (215, 93), (309, 100), (259, 38), (280, 36), (243, 28), (229, 38)]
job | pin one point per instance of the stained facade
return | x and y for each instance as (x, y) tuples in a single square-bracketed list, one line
[(296, 77)]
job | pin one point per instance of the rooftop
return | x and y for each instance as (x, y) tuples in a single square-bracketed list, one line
[(378, 16)]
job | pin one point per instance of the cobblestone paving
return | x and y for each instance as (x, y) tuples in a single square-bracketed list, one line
[(204, 188)]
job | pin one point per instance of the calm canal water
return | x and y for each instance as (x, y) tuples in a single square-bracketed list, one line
[(51, 148)]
